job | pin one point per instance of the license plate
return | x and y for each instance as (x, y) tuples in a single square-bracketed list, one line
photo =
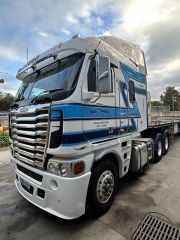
[(25, 185)]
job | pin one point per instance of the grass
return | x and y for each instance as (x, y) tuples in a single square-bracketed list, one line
[(4, 139)]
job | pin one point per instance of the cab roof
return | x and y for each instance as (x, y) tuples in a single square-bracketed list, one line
[(116, 49)]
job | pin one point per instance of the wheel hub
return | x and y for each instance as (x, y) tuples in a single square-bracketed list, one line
[(105, 186)]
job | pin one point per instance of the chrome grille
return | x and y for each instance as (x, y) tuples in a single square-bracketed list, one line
[(29, 126)]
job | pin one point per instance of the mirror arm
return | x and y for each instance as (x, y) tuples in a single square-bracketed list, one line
[(93, 101)]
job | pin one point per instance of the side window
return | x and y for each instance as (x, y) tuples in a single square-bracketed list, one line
[(92, 83), (112, 79), (131, 91)]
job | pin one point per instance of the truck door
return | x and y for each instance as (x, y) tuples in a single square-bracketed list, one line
[(99, 112), (129, 101), (122, 103)]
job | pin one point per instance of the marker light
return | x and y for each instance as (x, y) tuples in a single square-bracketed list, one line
[(79, 168)]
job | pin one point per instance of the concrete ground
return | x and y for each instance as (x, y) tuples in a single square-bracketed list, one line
[(156, 190)]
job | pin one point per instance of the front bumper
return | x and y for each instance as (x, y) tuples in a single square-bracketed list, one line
[(66, 199)]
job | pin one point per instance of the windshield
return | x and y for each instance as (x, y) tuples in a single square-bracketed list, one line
[(62, 74)]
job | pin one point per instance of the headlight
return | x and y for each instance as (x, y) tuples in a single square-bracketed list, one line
[(51, 168), (66, 169), (62, 169)]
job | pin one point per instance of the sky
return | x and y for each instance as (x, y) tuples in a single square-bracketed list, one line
[(40, 24)]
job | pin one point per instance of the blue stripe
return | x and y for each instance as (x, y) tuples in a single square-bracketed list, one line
[(141, 91), (80, 112), (76, 138), (129, 73), (56, 114)]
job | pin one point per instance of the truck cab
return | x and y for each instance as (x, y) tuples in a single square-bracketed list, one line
[(76, 122)]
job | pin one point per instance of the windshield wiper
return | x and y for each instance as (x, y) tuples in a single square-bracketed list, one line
[(14, 104), (45, 91)]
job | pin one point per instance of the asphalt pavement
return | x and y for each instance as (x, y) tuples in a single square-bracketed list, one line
[(156, 190)]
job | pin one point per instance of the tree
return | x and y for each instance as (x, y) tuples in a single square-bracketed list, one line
[(156, 103), (6, 101), (171, 97)]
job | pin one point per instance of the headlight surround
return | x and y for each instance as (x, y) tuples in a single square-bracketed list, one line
[(66, 169)]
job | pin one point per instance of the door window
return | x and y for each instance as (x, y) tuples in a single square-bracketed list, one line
[(131, 91), (92, 83)]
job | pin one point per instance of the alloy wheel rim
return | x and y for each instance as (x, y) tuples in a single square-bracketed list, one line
[(105, 186)]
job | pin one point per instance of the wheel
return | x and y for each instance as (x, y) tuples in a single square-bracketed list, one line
[(158, 148), (102, 188), (165, 142)]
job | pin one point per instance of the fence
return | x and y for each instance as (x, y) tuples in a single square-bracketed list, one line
[(160, 108)]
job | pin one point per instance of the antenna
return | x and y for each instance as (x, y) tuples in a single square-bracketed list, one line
[(27, 55)]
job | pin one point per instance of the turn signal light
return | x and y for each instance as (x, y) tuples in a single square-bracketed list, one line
[(79, 168)]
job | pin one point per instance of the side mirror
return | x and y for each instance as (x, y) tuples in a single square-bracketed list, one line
[(104, 75), (104, 79)]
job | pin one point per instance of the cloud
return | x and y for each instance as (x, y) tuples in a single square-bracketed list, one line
[(65, 31), (164, 41), (71, 19), (155, 26), (43, 34), (10, 53), (41, 24), (10, 84)]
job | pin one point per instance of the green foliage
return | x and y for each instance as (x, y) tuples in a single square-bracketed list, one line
[(171, 97), (156, 103), (4, 139), (6, 101)]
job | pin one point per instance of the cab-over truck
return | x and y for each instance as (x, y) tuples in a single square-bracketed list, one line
[(79, 123)]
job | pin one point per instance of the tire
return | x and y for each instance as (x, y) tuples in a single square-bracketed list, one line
[(165, 142), (100, 199), (158, 148)]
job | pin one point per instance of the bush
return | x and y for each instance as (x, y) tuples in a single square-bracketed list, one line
[(4, 139)]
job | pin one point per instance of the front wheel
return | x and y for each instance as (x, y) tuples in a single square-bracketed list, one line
[(102, 188)]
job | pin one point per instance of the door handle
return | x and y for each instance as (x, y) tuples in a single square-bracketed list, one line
[(110, 130)]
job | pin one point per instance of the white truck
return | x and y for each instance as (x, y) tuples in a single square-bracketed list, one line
[(79, 123)]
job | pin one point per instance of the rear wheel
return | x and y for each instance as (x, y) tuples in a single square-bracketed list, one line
[(102, 188), (158, 147), (165, 142)]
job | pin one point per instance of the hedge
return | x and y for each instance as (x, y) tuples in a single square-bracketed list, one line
[(4, 139)]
